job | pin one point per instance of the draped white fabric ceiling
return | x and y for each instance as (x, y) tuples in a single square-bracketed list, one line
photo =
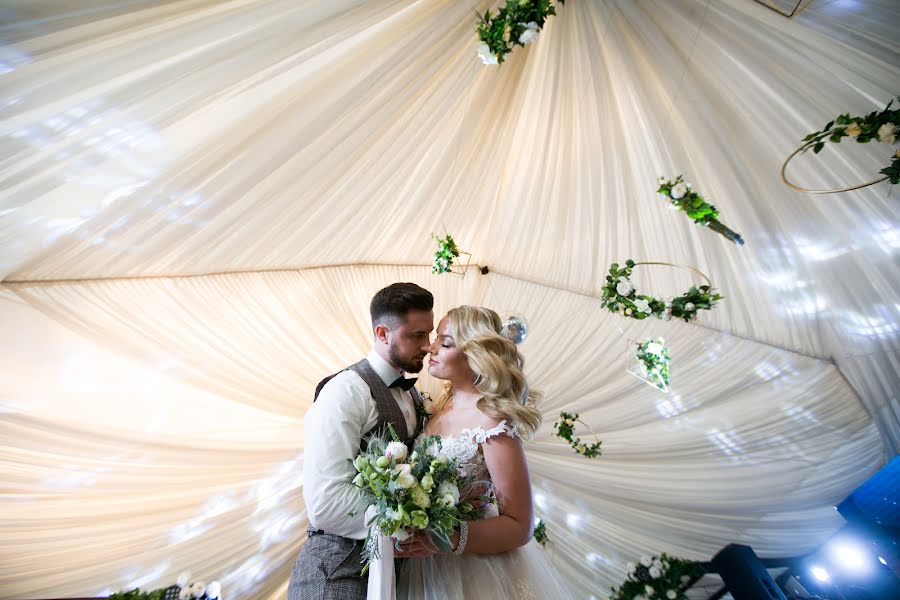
[(198, 199)]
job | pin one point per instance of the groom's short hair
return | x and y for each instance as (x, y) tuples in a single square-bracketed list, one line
[(396, 300)]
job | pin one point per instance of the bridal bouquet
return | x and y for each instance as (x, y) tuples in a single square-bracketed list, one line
[(424, 490)]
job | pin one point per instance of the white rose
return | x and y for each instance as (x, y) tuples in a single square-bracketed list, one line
[(184, 594), (689, 306), (887, 133), (649, 590), (623, 288), (530, 34), (484, 53), (406, 481), (679, 190), (420, 497), (630, 566), (853, 129), (654, 348), (644, 307), (184, 579), (646, 561), (396, 450), (198, 589), (214, 589), (671, 595), (403, 468), (654, 572)]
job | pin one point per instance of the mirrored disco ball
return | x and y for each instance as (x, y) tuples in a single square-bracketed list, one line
[(515, 329)]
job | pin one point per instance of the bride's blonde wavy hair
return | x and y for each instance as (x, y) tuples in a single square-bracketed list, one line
[(497, 365)]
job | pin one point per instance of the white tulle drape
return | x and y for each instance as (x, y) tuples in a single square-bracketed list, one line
[(282, 153)]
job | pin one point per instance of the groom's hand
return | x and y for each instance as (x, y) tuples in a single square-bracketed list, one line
[(416, 546)]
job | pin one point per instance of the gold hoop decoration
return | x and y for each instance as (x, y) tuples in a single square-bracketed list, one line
[(797, 188), (446, 254), (620, 295), (877, 125), (565, 429)]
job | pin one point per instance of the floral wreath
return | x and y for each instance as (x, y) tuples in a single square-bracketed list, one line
[(701, 212), (517, 23), (565, 429), (880, 126), (620, 295), (654, 358), (660, 577), (444, 255)]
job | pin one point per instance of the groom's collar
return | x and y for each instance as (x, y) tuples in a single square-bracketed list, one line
[(383, 368)]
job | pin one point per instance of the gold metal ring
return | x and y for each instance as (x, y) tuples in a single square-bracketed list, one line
[(697, 271), (800, 189)]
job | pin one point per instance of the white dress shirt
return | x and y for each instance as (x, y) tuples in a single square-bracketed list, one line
[(332, 430)]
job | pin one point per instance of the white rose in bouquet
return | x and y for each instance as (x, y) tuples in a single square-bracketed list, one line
[(646, 561), (648, 589), (654, 572), (679, 190), (198, 589), (184, 579), (655, 348), (420, 497), (406, 480), (396, 450), (530, 34), (671, 595), (689, 306), (853, 129), (184, 594)]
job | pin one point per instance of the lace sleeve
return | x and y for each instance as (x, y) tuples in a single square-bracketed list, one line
[(480, 435)]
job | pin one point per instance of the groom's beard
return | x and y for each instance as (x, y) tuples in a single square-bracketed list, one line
[(407, 365)]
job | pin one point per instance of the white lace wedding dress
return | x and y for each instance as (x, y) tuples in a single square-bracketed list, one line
[(523, 574)]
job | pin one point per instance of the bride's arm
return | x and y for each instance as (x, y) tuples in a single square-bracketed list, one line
[(505, 460)]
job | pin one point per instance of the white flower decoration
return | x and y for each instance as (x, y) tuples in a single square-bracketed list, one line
[(198, 589), (184, 579), (644, 307), (679, 190), (624, 287), (671, 595), (396, 450), (630, 567), (655, 572), (655, 348), (184, 594), (214, 589), (646, 561), (485, 54), (853, 129), (530, 34), (689, 306), (887, 133), (649, 590)]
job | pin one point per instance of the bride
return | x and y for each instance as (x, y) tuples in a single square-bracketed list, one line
[(483, 415)]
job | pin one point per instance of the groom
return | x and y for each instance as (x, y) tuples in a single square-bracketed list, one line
[(350, 405)]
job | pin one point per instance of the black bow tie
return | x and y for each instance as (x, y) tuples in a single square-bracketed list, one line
[(404, 383)]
